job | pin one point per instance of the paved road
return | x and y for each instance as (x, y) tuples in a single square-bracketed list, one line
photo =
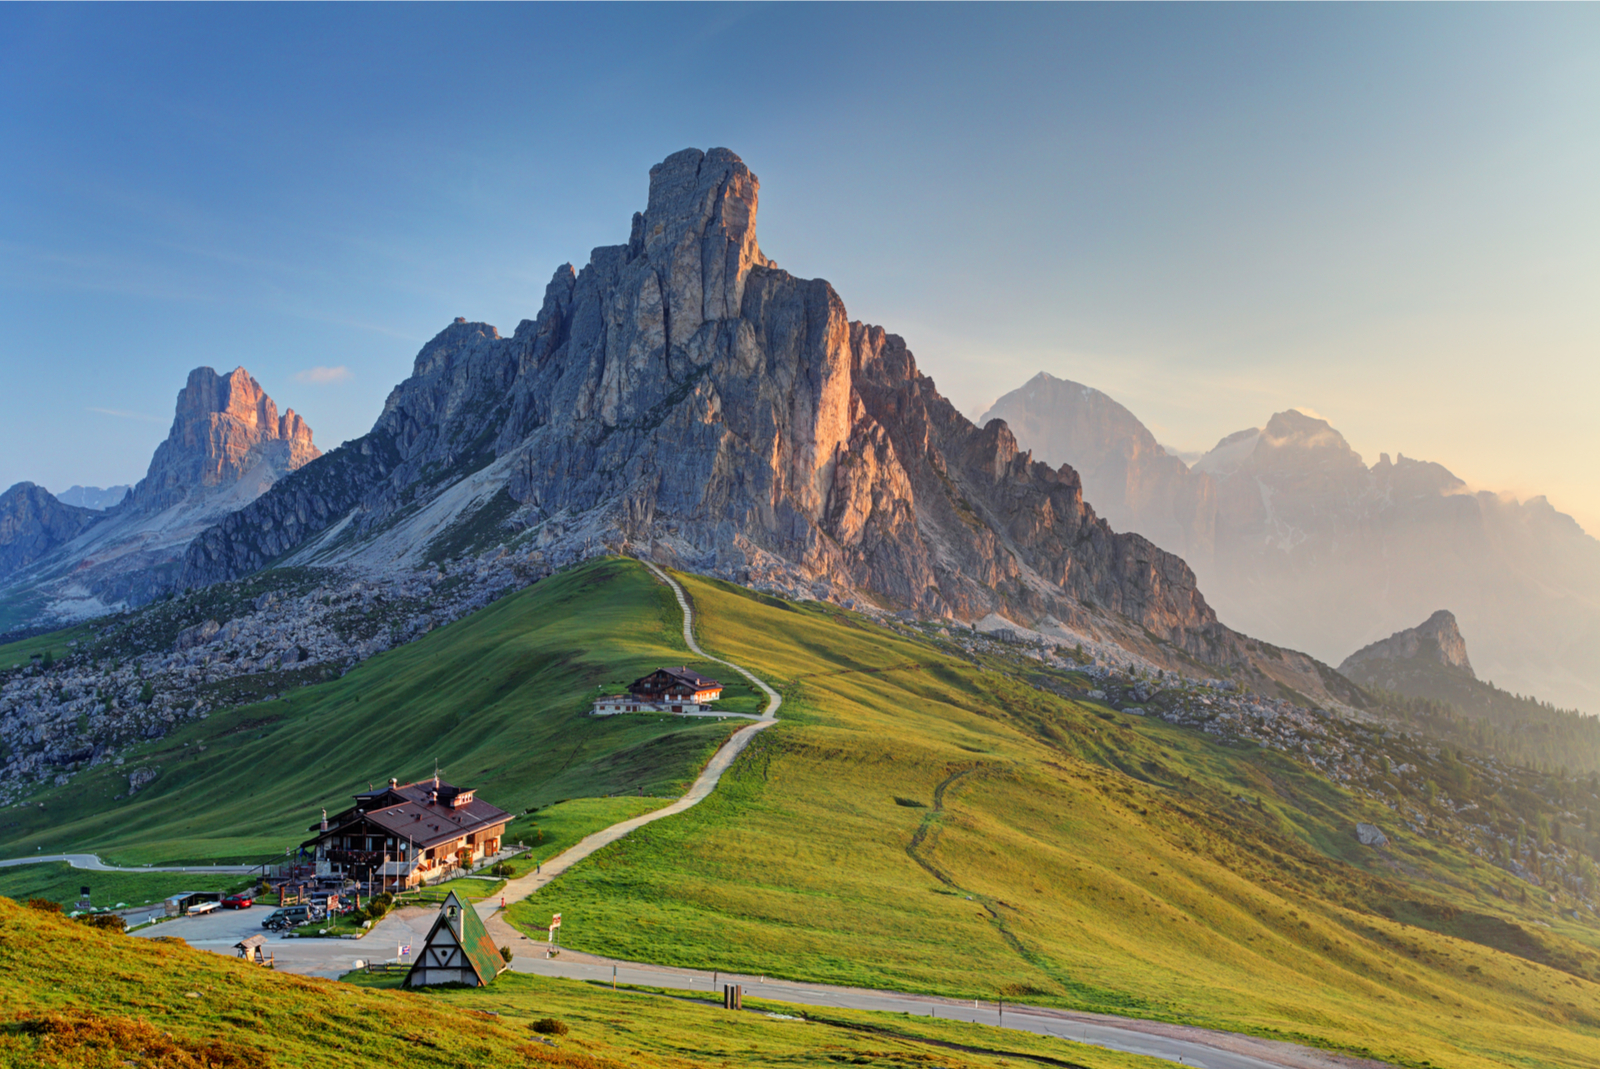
[(703, 785), (1190, 1046), (219, 931), (94, 864)]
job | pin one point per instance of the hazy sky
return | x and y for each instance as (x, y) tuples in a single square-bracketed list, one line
[(1385, 213)]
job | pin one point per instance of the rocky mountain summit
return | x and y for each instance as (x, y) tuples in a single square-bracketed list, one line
[(1436, 639), (227, 445), (33, 522), (226, 434), (683, 396), (1294, 538)]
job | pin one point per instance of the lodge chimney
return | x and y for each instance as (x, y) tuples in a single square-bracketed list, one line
[(324, 820)]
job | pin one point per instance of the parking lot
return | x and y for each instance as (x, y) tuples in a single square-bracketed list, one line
[(220, 930)]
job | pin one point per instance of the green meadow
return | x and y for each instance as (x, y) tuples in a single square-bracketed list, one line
[(56, 643), (500, 700), (921, 822), (922, 819)]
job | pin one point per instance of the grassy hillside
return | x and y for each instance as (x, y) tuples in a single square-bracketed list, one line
[(56, 643), (924, 818), (499, 699), (75, 998), (922, 822)]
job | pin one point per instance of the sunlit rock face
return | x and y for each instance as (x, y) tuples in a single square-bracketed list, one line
[(225, 429), (683, 395)]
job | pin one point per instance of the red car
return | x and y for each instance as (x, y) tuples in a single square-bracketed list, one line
[(238, 902)]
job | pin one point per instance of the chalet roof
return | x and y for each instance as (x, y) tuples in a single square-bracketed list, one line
[(685, 676), (419, 812), (463, 922)]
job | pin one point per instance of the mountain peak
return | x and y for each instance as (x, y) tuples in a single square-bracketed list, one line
[(1435, 639), (224, 426), (1296, 428), (699, 230)]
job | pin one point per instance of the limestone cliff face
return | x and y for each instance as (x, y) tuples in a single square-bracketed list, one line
[(685, 396), (225, 429), (33, 522), (1436, 639)]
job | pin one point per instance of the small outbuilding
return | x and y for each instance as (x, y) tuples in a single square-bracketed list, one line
[(458, 950), (252, 948)]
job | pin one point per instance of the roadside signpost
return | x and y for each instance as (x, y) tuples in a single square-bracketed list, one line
[(555, 926)]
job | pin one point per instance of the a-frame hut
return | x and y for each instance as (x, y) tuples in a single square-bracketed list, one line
[(458, 950)]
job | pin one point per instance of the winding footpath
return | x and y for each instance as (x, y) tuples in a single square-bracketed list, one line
[(1199, 1047), (704, 784)]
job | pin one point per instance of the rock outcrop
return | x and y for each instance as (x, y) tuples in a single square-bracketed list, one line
[(226, 430), (684, 396), (33, 523), (1436, 639)]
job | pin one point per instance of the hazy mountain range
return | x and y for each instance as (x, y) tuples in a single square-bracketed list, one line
[(1295, 539)]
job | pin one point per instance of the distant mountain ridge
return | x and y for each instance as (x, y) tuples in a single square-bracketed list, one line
[(227, 445), (1311, 548)]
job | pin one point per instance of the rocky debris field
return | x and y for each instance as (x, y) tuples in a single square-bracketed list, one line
[(230, 644)]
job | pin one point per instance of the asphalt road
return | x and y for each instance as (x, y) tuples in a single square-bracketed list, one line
[(1174, 1043), (218, 931)]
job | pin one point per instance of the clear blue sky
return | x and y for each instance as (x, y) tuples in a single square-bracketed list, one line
[(1384, 213)]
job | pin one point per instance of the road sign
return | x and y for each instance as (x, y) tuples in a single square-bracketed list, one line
[(555, 921), (405, 950)]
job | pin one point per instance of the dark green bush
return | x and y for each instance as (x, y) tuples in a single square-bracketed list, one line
[(549, 1026)]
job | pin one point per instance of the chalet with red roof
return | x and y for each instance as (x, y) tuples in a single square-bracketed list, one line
[(398, 836)]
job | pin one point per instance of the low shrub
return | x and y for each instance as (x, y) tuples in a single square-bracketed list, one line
[(44, 905), (549, 1026), (110, 922)]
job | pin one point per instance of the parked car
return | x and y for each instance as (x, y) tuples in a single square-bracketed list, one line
[(292, 917), (238, 902)]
